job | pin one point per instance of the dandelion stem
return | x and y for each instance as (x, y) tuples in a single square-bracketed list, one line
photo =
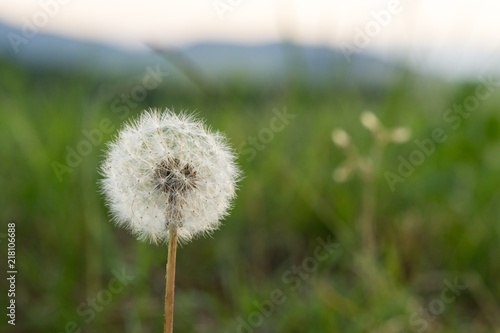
[(170, 281)]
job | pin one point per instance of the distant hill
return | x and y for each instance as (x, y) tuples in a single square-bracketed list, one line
[(266, 62)]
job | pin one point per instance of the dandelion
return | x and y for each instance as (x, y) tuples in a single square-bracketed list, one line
[(168, 177)]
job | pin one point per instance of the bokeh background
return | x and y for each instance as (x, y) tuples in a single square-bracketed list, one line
[(430, 262)]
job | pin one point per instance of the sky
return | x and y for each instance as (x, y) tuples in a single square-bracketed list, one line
[(422, 31)]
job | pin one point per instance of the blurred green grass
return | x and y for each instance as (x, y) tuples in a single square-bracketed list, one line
[(440, 224)]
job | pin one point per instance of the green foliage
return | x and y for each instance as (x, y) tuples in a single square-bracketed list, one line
[(439, 224)]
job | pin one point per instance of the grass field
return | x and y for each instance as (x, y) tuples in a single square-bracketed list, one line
[(435, 268)]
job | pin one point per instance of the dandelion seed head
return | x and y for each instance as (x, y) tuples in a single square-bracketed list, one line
[(167, 169)]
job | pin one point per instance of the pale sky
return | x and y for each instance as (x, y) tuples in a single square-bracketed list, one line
[(420, 29)]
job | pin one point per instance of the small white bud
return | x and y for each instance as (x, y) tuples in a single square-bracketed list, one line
[(370, 121), (341, 138), (342, 173), (400, 135)]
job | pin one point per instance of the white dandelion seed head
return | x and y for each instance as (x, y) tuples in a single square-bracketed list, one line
[(167, 169)]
